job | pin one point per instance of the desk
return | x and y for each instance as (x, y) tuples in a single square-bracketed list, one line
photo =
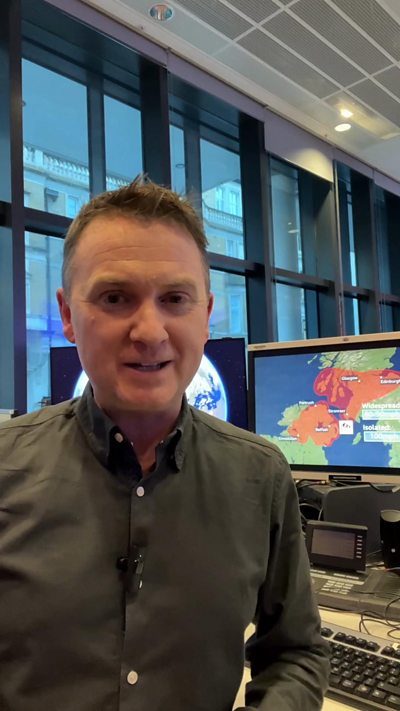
[(346, 619)]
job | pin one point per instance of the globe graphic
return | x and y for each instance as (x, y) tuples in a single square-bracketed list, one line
[(206, 392), (80, 384)]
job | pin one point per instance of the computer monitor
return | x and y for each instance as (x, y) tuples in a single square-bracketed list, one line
[(332, 405), (219, 386)]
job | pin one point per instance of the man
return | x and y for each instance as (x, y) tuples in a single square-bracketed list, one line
[(139, 537)]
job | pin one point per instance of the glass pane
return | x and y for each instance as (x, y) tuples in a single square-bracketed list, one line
[(382, 241), (222, 199), (352, 260), (291, 313), (287, 245), (229, 316), (178, 176), (123, 137), (43, 257), (387, 317), (356, 228), (387, 210), (352, 315), (56, 174)]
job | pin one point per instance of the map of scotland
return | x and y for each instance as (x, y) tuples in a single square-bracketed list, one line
[(338, 408)]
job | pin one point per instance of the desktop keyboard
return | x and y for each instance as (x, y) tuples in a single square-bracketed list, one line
[(365, 670)]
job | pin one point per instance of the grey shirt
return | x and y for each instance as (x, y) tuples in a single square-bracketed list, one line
[(124, 593)]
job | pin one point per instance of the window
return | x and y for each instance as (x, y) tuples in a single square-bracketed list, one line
[(229, 316), (123, 137), (355, 227), (72, 206), (290, 313), (235, 205), (236, 310), (352, 315), (44, 329), (387, 317), (221, 198), (55, 139), (287, 245), (178, 176), (387, 208)]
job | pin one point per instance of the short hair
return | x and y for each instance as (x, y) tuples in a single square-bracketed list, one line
[(142, 200)]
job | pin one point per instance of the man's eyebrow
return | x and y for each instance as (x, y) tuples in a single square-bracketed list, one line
[(117, 282), (183, 283), (112, 281)]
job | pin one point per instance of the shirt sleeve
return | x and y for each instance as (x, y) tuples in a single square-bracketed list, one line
[(289, 659)]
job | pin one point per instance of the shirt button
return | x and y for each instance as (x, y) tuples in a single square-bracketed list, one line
[(132, 677), (118, 437), (140, 491)]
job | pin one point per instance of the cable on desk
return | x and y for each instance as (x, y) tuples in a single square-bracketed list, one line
[(371, 616)]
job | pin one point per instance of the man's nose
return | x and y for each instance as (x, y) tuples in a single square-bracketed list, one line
[(148, 325)]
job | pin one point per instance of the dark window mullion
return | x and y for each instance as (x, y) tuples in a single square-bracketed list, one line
[(97, 151), (155, 122), (257, 228), (12, 320), (46, 223), (191, 137)]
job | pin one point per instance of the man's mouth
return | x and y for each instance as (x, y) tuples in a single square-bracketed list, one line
[(148, 367)]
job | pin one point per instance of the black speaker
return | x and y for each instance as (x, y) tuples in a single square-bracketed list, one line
[(390, 538)]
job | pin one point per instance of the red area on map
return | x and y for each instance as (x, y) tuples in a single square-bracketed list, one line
[(316, 422), (349, 394), (345, 390)]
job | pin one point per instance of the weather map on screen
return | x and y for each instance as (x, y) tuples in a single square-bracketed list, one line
[(338, 408)]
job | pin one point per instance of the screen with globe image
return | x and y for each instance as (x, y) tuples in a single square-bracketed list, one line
[(219, 386)]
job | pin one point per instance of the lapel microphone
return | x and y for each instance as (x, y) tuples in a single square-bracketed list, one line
[(131, 568)]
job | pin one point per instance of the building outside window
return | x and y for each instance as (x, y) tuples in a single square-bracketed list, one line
[(123, 139), (229, 316), (55, 151), (220, 174), (72, 206), (43, 257)]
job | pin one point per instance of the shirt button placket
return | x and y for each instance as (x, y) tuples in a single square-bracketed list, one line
[(131, 676)]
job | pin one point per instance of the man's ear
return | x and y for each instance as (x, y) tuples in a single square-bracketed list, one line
[(209, 311), (65, 313)]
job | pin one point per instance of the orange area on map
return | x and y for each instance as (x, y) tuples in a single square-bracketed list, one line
[(317, 423), (348, 395), (345, 390)]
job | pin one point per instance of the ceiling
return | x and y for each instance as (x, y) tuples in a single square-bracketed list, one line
[(304, 59)]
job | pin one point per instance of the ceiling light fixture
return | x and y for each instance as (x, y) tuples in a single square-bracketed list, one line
[(343, 127), (346, 113), (161, 12)]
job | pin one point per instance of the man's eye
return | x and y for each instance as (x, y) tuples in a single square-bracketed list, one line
[(175, 299), (114, 298)]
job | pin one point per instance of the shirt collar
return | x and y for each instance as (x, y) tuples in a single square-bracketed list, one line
[(100, 430)]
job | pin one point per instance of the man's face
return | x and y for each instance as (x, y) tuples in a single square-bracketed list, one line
[(138, 311)]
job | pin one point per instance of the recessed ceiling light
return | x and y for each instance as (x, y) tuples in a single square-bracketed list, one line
[(343, 127), (346, 113), (161, 12)]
